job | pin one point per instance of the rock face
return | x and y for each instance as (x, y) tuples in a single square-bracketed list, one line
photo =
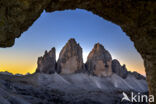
[(118, 69), (47, 63), (70, 58), (99, 61)]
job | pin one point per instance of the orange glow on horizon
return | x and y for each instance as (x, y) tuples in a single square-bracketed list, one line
[(28, 64), (31, 67), (19, 69)]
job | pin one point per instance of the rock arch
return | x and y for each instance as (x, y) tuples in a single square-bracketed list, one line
[(136, 17)]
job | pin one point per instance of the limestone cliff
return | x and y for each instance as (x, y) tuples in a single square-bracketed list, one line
[(70, 58), (118, 69), (47, 63), (99, 61)]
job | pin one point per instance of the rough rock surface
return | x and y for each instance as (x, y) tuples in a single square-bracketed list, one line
[(23, 13), (118, 69), (99, 61), (42, 88), (70, 58), (47, 63)]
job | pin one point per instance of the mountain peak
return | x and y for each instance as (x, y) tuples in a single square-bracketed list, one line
[(70, 58), (99, 52), (99, 61), (72, 40), (47, 63), (118, 69), (98, 46)]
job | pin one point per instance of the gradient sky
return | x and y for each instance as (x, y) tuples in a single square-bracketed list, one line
[(55, 29)]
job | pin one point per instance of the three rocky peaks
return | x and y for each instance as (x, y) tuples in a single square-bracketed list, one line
[(99, 62)]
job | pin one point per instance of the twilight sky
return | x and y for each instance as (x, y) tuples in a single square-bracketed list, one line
[(55, 29)]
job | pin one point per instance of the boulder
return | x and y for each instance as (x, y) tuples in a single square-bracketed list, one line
[(47, 63), (70, 58), (99, 61)]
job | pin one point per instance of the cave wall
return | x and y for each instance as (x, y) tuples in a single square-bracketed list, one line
[(136, 17)]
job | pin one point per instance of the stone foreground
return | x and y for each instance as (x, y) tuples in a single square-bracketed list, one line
[(67, 89)]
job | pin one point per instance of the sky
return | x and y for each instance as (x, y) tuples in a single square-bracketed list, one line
[(56, 28)]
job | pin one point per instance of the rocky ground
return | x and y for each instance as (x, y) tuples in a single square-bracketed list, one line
[(67, 89)]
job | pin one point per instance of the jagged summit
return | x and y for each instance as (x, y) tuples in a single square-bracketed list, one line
[(99, 62), (99, 52), (70, 58), (118, 69), (71, 47), (51, 53), (72, 41), (98, 47), (47, 63)]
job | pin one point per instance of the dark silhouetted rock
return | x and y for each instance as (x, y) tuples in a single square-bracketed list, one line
[(123, 72), (70, 58), (118, 69), (137, 75), (47, 63), (99, 61)]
